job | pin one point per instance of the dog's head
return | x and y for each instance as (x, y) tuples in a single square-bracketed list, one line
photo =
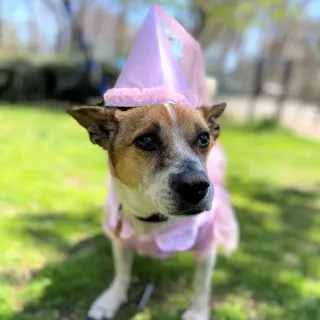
[(161, 149)]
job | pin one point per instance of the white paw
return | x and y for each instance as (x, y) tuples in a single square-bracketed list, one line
[(107, 305), (197, 314)]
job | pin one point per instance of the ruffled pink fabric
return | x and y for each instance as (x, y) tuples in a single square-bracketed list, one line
[(133, 97), (198, 234)]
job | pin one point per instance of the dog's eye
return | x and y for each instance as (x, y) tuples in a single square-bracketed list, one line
[(204, 140), (147, 142)]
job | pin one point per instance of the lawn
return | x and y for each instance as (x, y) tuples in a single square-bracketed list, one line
[(54, 259)]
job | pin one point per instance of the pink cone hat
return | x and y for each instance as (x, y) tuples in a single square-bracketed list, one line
[(165, 66)]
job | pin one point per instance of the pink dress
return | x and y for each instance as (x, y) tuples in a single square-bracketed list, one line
[(199, 234)]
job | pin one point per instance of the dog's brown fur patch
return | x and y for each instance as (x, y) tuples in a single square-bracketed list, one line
[(127, 161)]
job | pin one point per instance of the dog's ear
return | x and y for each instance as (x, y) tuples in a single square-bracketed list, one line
[(99, 121), (211, 115)]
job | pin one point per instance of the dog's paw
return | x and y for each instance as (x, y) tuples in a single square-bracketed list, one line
[(107, 305), (197, 314)]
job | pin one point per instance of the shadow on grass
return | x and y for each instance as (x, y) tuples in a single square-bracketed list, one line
[(50, 106), (264, 125), (273, 270), (53, 106)]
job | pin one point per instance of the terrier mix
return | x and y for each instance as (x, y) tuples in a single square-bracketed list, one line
[(166, 190)]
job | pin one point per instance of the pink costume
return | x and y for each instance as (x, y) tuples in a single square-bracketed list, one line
[(166, 66)]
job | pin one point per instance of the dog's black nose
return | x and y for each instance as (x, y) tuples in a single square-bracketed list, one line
[(191, 187)]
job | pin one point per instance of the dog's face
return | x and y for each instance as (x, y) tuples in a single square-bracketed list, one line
[(160, 149)]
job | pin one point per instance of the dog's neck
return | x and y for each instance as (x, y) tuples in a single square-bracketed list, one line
[(138, 209), (133, 201)]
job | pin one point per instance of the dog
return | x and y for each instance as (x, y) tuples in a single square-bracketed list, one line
[(166, 192), (158, 162)]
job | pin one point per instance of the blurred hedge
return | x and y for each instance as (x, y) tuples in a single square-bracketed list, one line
[(23, 80)]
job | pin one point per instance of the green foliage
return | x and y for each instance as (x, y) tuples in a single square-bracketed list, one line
[(25, 79), (239, 14), (55, 260)]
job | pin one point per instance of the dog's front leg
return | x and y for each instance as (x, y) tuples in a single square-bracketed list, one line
[(200, 308), (109, 302)]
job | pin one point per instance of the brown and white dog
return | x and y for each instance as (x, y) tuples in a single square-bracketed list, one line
[(157, 159)]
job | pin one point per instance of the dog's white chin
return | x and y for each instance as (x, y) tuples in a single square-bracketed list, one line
[(173, 206), (177, 209), (189, 212)]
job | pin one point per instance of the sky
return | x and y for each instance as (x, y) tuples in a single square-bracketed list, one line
[(313, 9), (17, 12)]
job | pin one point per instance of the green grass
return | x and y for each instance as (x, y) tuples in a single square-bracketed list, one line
[(54, 259)]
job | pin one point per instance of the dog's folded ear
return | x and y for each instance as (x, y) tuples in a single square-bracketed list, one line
[(211, 115), (99, 121)]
